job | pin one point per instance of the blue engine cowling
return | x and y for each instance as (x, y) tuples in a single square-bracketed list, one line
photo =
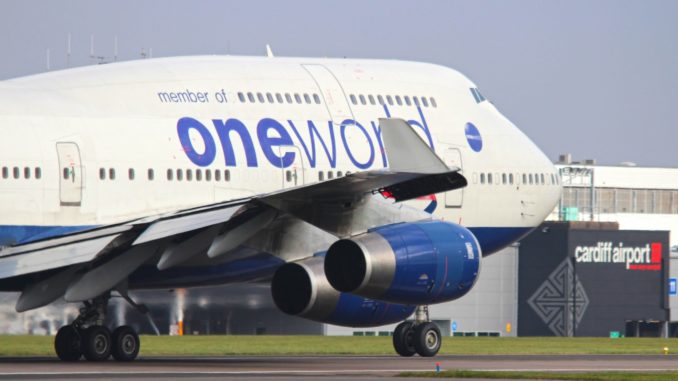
[(409, 263), (301, 289)]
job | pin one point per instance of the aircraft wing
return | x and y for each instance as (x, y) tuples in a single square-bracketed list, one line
[(83, 265)]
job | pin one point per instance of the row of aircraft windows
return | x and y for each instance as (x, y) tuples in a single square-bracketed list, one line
[(18, 173), (279, 98), (527, 178), (331, 174), (392, 100), (172, 174)]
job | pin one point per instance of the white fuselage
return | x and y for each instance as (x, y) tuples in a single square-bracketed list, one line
[(127, 140)]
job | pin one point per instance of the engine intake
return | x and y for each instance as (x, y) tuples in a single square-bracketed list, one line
[(301, 289), (408, 263)]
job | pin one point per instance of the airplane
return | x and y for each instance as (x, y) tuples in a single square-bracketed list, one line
[(362, 191)]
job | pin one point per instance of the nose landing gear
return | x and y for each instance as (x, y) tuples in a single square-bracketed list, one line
[(420, 336)]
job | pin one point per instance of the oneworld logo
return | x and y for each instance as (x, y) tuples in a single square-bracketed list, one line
[(475, 141), (647, 257), (361, 143)]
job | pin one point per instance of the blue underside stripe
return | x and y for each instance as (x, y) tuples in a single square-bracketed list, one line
[(18, 234)]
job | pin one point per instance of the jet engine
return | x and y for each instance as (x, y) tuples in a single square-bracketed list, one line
[(301, 289), (407, 263)]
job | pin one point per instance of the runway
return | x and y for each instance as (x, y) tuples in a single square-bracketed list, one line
[(325, 367)]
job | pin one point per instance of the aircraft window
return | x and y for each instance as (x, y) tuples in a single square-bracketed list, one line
[(180, 175), (297, 98), (269, 97), (260, 97), (347, 173), (531, 179), (241, 96), (542, 178), (288, 175), (38, 173), (278, 97), (362, 99), (553, 179), (102, 174), (380, 99), (399, 100), (307, 98), (316, 99), (353, 99), (151, 174), (475, 96), (66, 173), (198, 175), (27, 173), (111, 173), (288, 97), (371, 98), (415, 100), (5, 172), (170, 175), (189, 175), (480, 96), (339, 174), (482, 178), (524, 178), (330, 175), (321, 176), (424, 101), (208, 175), (250, 97), (389, 100), (217, 175), (227, 175), (433, 102), (503, 178), (489, 178), (130, 173), (407, 100)]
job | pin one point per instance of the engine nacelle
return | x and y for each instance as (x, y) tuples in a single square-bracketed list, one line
[(301, 289), (409, 263)]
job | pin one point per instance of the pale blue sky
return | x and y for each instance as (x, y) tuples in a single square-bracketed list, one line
[(598, 79)]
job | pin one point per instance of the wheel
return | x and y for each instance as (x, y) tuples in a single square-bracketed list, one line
[(67, 344), (427, 339), (96, 343), (125, 343), (402, 339)]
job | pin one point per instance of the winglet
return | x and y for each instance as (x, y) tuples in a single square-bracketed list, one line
[(406, 151)]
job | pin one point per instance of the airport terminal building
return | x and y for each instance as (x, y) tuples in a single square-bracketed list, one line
[(605, 263)]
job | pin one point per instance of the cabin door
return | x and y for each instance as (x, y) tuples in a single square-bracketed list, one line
[(332, 93), (292, 175), (454, 198), (70, 174)]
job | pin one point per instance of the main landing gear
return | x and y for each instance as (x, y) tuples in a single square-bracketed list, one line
[(87, 336), (420, 336)]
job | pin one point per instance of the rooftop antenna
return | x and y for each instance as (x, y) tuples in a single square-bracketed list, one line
[(68, 51), (269, 52), (115, 48), (91, 51)]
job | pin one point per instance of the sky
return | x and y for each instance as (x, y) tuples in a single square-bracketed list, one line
[(597, 79)]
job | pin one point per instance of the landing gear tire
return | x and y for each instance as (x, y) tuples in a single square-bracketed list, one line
[(67, 344), (427, 339), (125, 343), (402, 339), (96, 343)]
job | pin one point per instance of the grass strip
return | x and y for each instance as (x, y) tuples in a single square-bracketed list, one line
[(25, 345), (516, 375)]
